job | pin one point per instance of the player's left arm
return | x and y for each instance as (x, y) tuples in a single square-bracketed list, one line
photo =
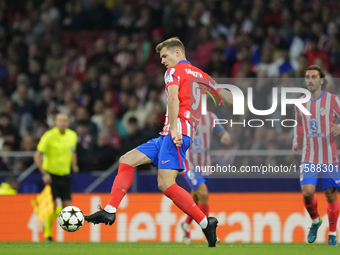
[(173, 110), (335, 130), (225, 136)]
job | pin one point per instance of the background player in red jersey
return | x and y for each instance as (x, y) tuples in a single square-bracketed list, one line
[(167, 151), (319, 152), (199, 155)]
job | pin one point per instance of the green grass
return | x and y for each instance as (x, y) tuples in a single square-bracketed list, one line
[(13, 248)]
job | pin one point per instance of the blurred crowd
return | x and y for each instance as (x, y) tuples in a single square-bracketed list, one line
[(95, 61)]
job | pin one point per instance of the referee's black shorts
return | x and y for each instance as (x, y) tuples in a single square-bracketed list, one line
[(61, 186)]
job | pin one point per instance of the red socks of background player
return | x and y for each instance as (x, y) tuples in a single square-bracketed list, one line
[(204, 209), (121, 184), (312, 208), (333, 214), (184, 201)]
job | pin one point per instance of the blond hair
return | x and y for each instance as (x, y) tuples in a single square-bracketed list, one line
[(321, 73), (171, 43)]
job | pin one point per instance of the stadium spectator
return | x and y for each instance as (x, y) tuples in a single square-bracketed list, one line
[(140, 86), (28, 143), (98, 116), (49, 11), (152, 127), (101, 58), (10, 186), (40, 110), (103, 155), (331, 86), (299, 72), (24, 108), (110, 127), (134, 110), (296, 42), (314, 52), (134, 137), (335, 55), (7, 163), (34, 72), (204, 48), (285, 30), (54, 62), (286, 66), (74, 65), (82, 114), (85, 144)]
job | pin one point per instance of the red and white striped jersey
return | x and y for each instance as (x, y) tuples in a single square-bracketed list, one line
[(319, 145), (199, 151), (180, 75)]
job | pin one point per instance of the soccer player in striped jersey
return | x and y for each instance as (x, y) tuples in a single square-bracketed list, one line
[(169, 150), (319, 152), (199, 155)]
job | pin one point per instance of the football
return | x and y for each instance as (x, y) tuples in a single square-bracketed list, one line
[(71, 218)]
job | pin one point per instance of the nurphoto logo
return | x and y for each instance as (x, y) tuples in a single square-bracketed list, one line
[(239, 103)]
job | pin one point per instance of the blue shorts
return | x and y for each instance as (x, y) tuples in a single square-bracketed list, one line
[(330, 175), (164, 153), (195, 178)]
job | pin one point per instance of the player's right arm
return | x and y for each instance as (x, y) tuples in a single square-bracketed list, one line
[(172, 83), (226, 97), (298, 132), (222, 133), (41, 148), (224, 136), (173, 110)]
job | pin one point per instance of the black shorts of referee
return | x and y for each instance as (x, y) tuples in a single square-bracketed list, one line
[(61, 186)]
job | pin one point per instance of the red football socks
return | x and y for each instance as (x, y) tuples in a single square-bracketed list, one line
[(184, 201), (121, 184), (333, 213), (188, 220), (204, 208), (312, 208)]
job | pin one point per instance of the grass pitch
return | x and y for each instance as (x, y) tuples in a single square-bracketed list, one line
[(28, 248)]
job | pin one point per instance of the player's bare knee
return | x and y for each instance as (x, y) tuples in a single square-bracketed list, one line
[(202, 195), (123, 159), (162, 185), (331, 195), (308, 196), (330, 199)]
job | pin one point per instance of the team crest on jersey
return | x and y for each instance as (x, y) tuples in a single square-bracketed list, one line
[(313, 125), (187, 114), (322, 111), (191, 174), (301, 177), (197, 142)]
